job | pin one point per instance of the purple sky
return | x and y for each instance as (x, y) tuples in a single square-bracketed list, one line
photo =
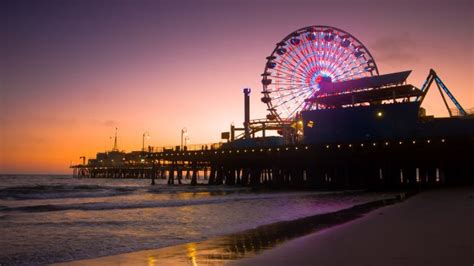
[(73, 70)]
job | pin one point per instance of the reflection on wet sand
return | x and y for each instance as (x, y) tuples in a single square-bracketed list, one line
[(251, 242)]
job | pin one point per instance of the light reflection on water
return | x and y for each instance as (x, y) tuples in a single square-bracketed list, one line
[(41, 223), (191, 252), (220, 250)]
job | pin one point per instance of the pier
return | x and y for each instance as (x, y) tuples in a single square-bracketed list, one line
[(338, 125), (382, 164)]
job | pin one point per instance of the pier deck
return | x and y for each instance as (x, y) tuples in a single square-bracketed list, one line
[(336, 165)]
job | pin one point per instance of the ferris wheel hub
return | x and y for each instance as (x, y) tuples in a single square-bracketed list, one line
[(304, 59)]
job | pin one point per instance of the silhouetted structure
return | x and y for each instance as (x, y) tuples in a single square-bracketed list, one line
[(349, 143), (351, 131)]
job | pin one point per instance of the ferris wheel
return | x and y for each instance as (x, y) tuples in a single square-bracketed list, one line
[(305, 58)]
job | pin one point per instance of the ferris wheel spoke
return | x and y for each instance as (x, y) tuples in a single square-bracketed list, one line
[(297, 95), (293, 75), (303, 96), (322, 55), (303, 54), (312, 47), (348, 65), (303, 86), (289, 78), (305, 62), (287, 73), (286, 77), (328, 53), (344, 65), (349, 70), (296, 109), (280, 103), (309, 53), (339, 52), (278, 83), (282, 96), (302, 59), (317, 47), (293, 53), (321, 62), (300, 65), (324, 52), (345, 51), (289, 89), (317, 53), (340, 63), (331, 66), (289, 65), (290, 68)]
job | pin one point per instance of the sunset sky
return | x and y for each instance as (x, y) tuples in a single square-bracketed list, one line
[(72, 71)]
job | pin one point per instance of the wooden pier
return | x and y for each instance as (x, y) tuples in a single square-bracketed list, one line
[(380, 164)]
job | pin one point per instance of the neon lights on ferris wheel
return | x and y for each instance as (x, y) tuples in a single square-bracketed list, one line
[(305, 58)]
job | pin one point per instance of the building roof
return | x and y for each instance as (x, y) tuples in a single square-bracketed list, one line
[(327, 87), (362, 96)]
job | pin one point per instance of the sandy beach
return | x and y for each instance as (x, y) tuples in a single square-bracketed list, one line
[(432, 228)]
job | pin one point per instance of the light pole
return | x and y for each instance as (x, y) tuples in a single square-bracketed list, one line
[(183, 131), (145, 135), (186, 140)]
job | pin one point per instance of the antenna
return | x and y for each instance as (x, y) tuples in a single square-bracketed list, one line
[(115, 141)]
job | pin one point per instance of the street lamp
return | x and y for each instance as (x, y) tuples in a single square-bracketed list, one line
[(183, 131), (186, 140), (147, 136)]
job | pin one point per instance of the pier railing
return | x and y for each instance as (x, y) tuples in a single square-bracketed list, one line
[(376, 164), (193, 147)]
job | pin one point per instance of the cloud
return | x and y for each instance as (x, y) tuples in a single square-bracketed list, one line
[(395, 50)]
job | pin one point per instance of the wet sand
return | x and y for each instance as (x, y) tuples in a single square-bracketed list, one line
[(249, 243), (432, 228)]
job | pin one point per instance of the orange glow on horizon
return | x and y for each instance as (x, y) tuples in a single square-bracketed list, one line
[(64, 95)]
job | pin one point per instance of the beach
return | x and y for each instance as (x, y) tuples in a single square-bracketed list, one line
[(52, 219), (236, 133), (430, 228)]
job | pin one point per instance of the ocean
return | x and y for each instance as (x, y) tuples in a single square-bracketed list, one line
[(52, 218)]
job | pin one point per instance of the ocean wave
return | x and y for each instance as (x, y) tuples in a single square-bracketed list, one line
[(99, 206), (80, 223), (61, 191), (41, 192)]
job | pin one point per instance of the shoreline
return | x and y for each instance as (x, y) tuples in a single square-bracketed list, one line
[(433, 228), (244, 244)]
